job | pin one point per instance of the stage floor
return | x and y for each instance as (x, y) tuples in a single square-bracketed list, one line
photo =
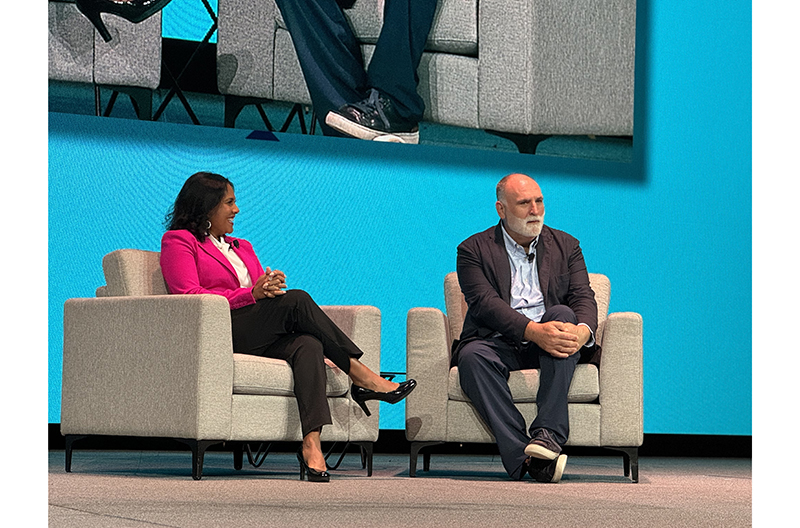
[(155, 488)]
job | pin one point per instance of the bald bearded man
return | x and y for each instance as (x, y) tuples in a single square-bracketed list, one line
[(530, 305)]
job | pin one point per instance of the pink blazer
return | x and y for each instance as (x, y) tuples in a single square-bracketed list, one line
[(190, 266)]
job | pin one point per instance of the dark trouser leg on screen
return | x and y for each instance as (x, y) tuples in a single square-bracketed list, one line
[(329, 54), (393, 68), (555, 377), (483, 369)]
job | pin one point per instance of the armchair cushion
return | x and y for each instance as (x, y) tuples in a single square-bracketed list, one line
[(524, 385), (268, 376), (454, 30)]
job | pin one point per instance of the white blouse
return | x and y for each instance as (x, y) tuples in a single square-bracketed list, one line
[(241, 270)]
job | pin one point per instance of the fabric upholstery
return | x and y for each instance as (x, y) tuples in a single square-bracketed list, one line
[(524, 385), (70, 40), (561, 67), (76, 53), (245, 47), (261, 375), (129, 370), (133, 57)]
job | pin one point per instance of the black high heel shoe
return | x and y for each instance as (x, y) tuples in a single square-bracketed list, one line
[(313, 474), (132, 10), (361, 395)]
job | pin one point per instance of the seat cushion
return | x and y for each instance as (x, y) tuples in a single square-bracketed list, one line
[(268, 376), (524, 385), (454, 30)]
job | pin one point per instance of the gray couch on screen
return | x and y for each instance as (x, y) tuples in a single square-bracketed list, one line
[(523, 68)]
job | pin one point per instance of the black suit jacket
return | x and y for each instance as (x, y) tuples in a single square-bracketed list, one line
[(484, 275)]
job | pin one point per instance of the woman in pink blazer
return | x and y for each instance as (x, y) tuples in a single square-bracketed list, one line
[(267, 320)]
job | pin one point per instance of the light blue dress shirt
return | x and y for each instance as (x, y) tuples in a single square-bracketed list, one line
[(526, 293)]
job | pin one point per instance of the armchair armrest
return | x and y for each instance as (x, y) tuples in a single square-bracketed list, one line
[(621, 381), (245, 41), (158, 365), (556, 67), (427, 361), (362, 324)]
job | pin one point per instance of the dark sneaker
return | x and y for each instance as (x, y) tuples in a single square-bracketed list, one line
[(551, 472), (543, 445), (374, 118)]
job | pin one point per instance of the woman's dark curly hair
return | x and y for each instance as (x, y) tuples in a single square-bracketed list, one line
[(200, 195)]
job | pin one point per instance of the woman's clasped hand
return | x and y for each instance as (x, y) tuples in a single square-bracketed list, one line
[(269, 285)]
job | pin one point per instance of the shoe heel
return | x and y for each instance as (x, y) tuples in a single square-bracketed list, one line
[(302, 462), (363, 406), (93, 15)]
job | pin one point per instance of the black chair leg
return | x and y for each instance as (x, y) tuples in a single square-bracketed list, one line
[(426, 457), (365, 450), (238, 455), (630, 462), (68, 441), (141, 100), (234, 104), (313, 127), (198, 448), (525, 143), (366, 455)]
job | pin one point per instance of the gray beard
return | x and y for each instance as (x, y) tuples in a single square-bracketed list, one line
[(521, 227)]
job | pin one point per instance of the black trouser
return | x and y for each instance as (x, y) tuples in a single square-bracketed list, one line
[(331, 60), (294, 328), (483, 368)]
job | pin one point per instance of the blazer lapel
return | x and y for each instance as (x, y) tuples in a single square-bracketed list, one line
[(208, 246), (500, 264), (543, 261), (248, 257)]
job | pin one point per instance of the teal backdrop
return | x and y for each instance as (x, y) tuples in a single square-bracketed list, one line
[(360, 223)]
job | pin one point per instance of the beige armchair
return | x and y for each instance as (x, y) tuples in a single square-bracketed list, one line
[(139, 362), (605, 406)]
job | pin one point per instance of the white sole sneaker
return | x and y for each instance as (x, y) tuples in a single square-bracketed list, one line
[(538, 451), (345, 126), (560, 465)]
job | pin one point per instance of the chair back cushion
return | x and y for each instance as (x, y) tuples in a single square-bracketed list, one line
[(132, 272), (456, 306)]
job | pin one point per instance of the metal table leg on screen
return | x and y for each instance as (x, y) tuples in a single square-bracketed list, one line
[(175, 81)]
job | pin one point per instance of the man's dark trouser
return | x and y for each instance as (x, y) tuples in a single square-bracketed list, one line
[(483, 368), (331, 60)]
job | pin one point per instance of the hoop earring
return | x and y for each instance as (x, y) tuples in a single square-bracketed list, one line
[(208, 226)]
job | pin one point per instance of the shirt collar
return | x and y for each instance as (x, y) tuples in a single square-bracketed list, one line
[(514, 249), (222, 244)]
